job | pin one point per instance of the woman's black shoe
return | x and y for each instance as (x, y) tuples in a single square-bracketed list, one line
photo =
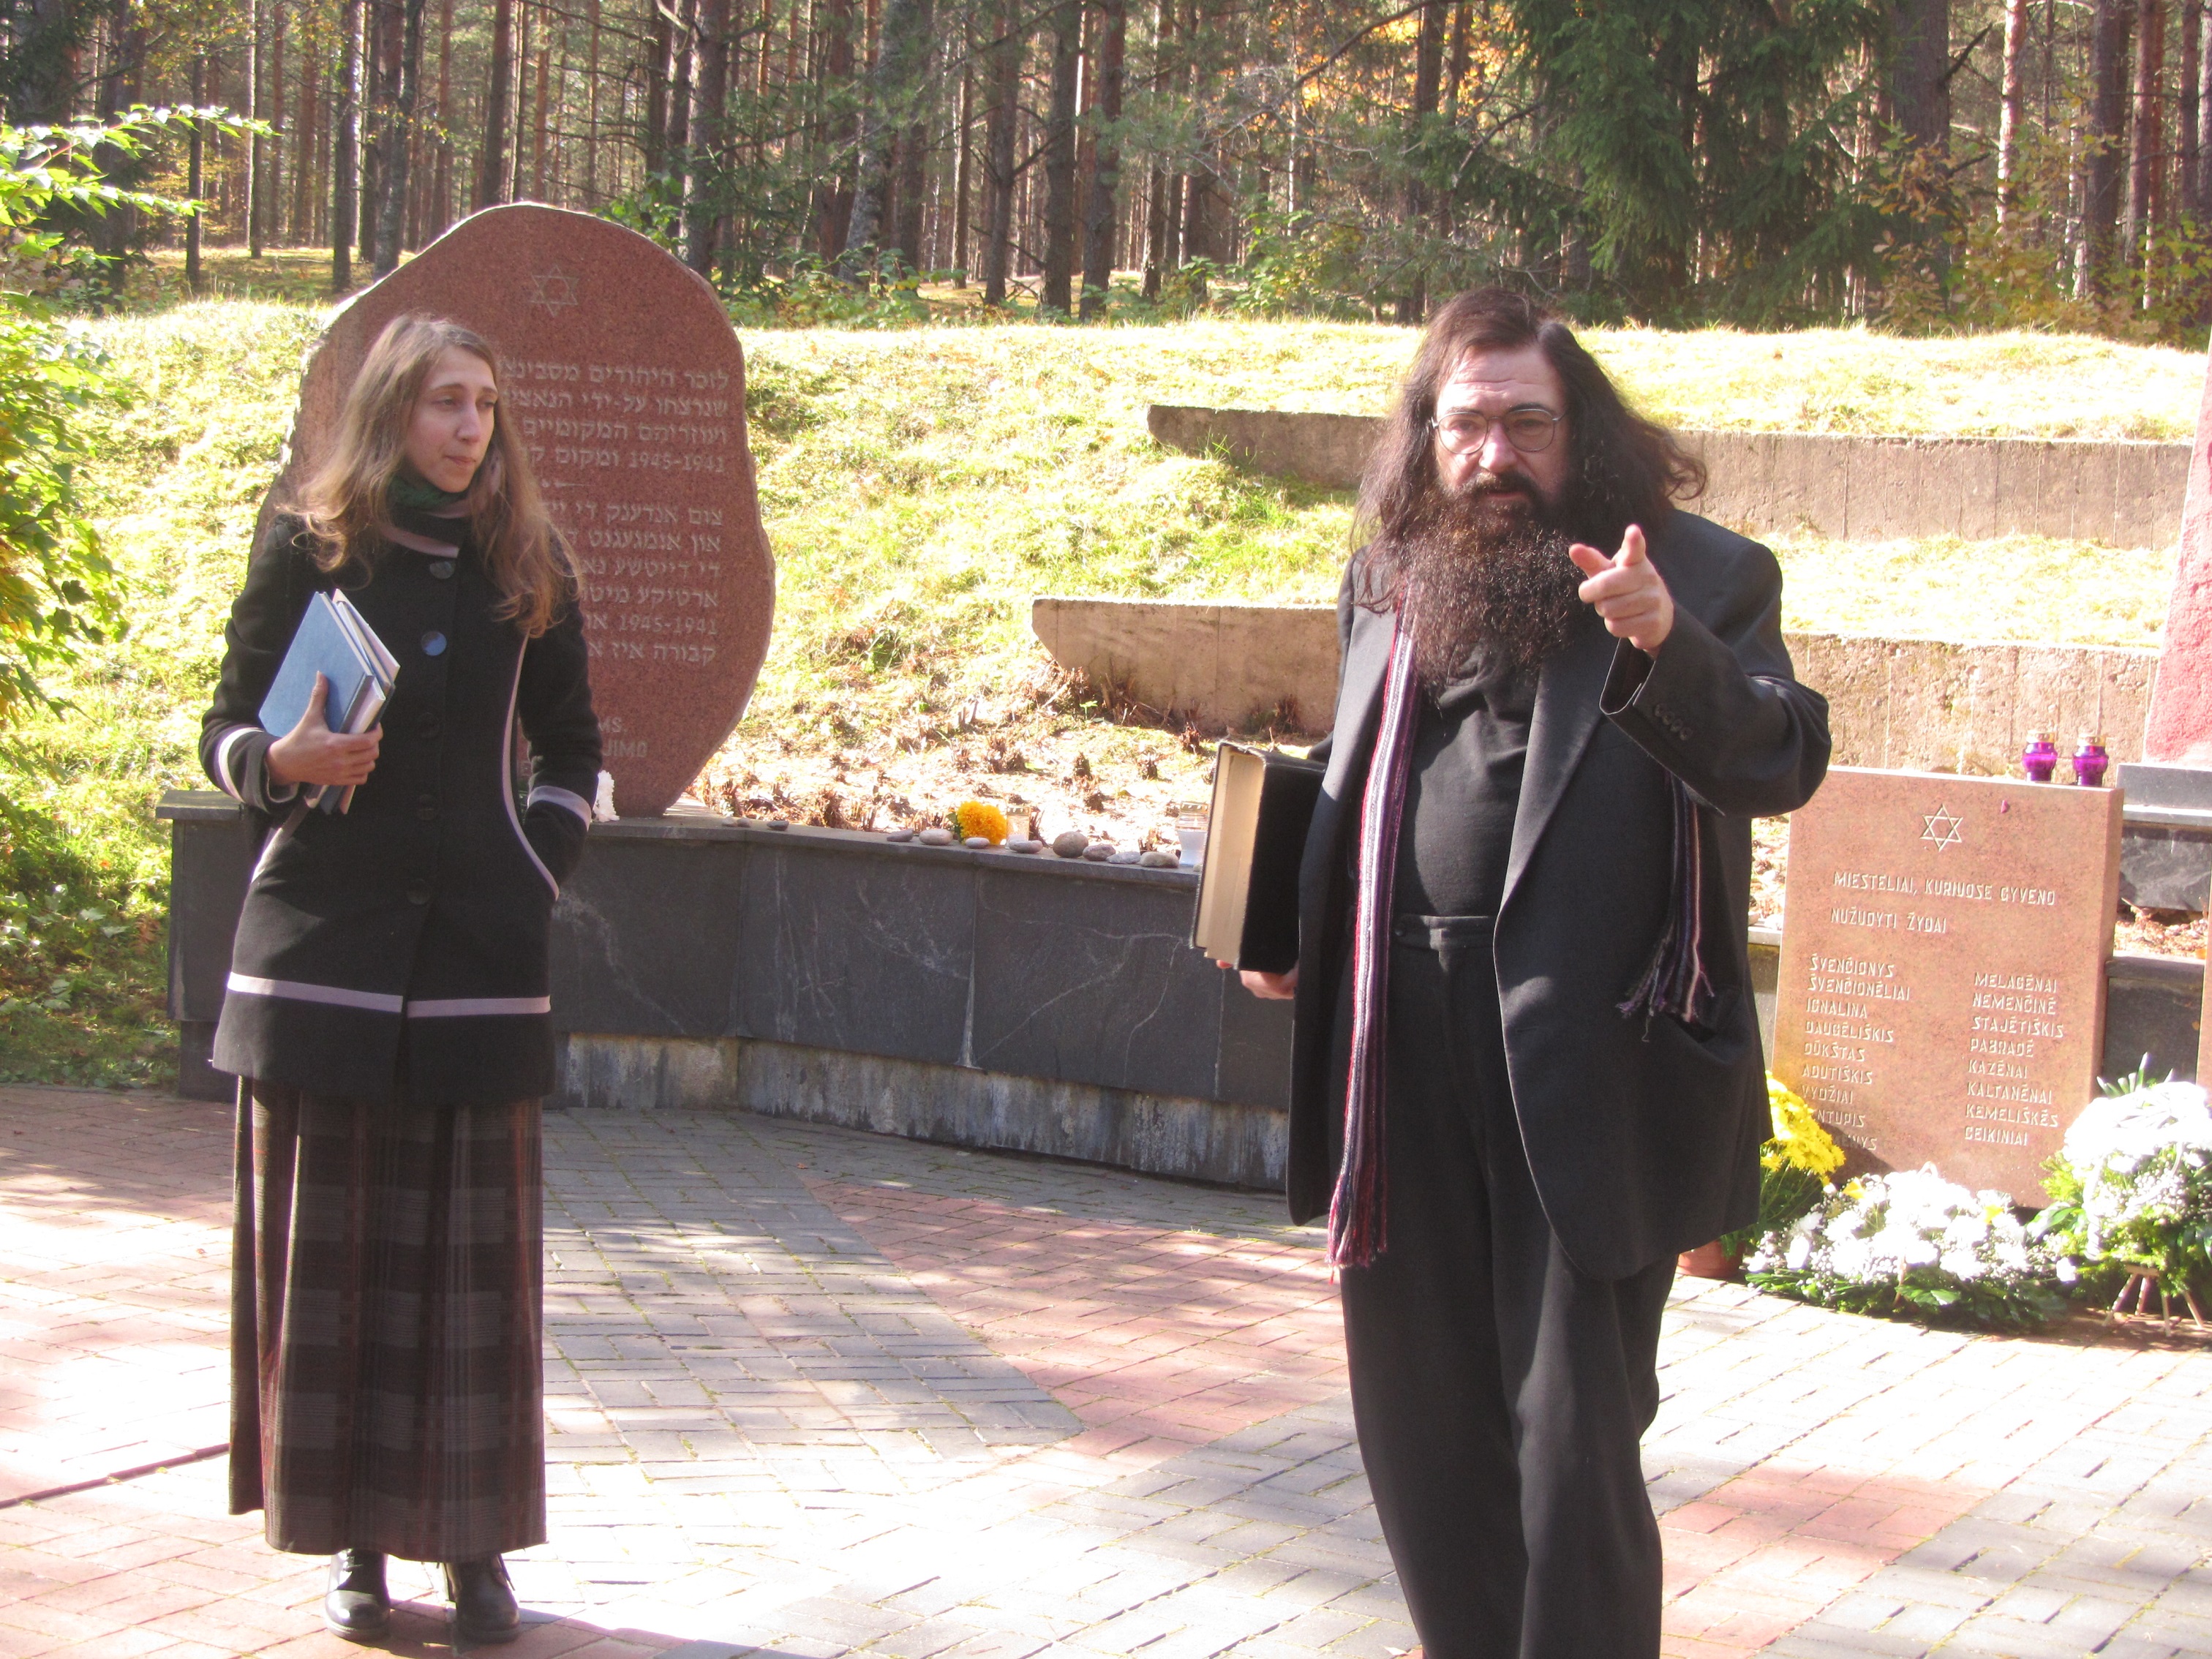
[(484, 1609), (356, 1605)]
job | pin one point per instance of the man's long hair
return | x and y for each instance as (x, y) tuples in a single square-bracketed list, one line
[(347, 500), (1626, 470)]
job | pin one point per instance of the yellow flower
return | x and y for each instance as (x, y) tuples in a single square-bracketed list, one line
[(980, 817), (1799, 1141)]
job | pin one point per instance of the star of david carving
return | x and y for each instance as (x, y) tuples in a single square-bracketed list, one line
[(1941, 828), (555, 290)]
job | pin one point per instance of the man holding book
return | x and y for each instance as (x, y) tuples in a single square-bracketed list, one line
[(1528, 1069)]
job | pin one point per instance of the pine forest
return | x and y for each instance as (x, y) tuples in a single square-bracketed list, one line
[(1918, 164)]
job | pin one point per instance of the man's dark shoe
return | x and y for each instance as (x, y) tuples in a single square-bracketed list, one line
[(357, 1605), (484, 1609)]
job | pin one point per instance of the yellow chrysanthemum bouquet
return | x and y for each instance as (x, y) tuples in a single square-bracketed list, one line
[(1794, 1165), (972, 819)]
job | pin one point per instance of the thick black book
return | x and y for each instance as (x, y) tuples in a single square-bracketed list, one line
[(1255, 840)]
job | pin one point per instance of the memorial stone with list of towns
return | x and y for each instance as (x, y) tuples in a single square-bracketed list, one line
[(623, 377), (1942, 979)]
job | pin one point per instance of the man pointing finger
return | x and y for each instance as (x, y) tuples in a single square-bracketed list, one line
[(1627, 591), (1527, 1068)]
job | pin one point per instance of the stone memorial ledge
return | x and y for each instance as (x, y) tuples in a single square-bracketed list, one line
[(1850, 488), (991, 1001), (1898, 704)]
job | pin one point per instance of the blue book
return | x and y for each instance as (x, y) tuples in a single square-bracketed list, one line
[(334, 640)]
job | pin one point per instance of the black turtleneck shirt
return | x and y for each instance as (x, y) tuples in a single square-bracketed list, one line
[(1462, 788)]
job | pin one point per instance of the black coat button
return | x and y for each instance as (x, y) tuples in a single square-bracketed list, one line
[(419, 893), (426, 806), (442, 569), (434, 644)]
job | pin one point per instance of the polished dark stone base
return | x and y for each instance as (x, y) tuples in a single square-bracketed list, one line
[(987, 999)]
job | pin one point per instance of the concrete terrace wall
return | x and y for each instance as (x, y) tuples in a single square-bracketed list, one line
[(1850, 489), (1923, 704)]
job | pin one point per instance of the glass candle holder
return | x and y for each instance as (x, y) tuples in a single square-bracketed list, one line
[(2090, 761), (2039, 760), (1190, 822)]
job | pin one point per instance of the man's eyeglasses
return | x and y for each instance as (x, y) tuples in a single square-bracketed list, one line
[(1529, 429)]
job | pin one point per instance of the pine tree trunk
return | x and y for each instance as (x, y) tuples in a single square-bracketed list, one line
[(591, 107), (830, 56), (537, 127), (660, 44), (683, 57), (2108, 78), (1000, 126), (1160, 183), (2185, 130), (273, 189), (911, 195), (345, 146), (196, 174), (306, 126), (703, 201), (1921, 89), (1057, 291), (491, 171), (894, 82), (441, 213), (1099, 223), (254, 190), (963, 166), (1428, 84), (2015, 43), (399, 139), (1195, 238), (2145, 134), (382, 43), (2202, 196)]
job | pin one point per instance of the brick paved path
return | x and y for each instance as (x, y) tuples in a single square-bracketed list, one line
[(814, 1394)]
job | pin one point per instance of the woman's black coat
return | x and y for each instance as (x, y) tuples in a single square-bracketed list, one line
[(397, 950)]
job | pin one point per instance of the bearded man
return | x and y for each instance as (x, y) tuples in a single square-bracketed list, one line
[(1528, 1070)]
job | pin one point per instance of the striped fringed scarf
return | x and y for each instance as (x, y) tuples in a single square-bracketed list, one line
[(1674, 982), (1357, 1221)]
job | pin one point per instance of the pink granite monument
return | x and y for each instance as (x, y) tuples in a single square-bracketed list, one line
[(627, 382), (2181, 729), (1942, 996)]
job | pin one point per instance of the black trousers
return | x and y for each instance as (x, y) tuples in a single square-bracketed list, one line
[(1499, 1393)]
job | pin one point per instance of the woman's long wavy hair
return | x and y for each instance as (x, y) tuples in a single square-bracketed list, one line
[(347, 501), (1626, 470)]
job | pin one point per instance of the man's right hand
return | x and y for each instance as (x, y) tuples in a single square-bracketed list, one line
[(1275, 987), (311, 753)]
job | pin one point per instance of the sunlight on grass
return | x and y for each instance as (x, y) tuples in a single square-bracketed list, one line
[(2026, 589)]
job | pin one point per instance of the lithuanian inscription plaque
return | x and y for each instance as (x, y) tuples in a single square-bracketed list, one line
[(625, 380), (1942, 986)]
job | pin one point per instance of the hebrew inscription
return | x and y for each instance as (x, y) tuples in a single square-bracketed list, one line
[(626, 386)]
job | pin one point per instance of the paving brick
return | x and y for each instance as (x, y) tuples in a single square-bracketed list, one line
[(776, 1348)]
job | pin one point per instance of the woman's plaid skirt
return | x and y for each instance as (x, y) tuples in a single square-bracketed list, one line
[(386, 1386)]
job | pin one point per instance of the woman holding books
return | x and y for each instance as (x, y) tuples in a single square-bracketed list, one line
[(387, 1015)]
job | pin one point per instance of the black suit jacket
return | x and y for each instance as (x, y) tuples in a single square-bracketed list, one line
[(1642, 1137)]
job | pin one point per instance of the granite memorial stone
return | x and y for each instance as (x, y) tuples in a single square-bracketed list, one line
[(625, 380), (2180, 726), (1941, 994)]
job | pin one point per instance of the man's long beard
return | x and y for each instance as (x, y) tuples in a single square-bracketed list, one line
[(1492, 577)]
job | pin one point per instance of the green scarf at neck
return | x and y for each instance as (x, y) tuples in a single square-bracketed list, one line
[(418, 497)]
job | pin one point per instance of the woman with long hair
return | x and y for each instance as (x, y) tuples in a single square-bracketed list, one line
[(387, 1015)]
